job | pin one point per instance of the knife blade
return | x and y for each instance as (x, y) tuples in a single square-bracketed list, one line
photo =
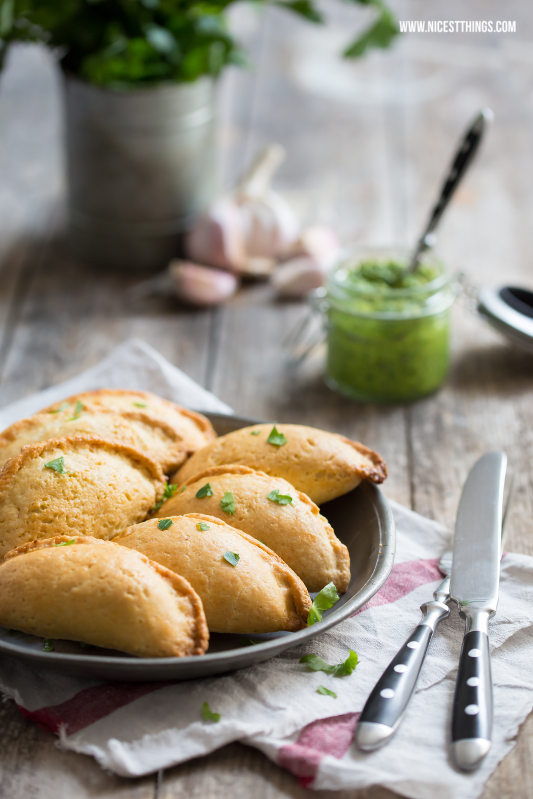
[(474, 587)]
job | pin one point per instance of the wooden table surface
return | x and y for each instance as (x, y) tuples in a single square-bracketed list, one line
[(367, 147)]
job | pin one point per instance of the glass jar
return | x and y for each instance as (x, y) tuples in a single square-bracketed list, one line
[(387, 344)]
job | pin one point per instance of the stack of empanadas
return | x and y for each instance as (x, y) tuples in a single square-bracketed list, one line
[(97, 547)]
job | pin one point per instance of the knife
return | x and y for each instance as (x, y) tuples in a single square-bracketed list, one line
[(474, 587)]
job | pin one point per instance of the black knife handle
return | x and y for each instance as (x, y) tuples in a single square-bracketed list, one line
[(472, 704), (388, 701)]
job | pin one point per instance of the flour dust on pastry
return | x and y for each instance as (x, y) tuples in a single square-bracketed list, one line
[(75, 485), (194, 429), (273, 511), (134, 429), (93, 591), (320, 464), (243, 585)]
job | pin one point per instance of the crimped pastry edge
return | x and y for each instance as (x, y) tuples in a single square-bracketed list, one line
[(181, 586)]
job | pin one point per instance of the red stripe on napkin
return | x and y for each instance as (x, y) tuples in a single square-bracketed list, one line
[(90, 705), (331, 736), (403, 579)]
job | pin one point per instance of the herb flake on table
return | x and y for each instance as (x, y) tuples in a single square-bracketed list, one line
[(208, 715), (202, 527), (276, 438), (227, 503), (48, 645), (58, 465), (325, 691), (164, 524), (168, 493), (231, 557), (281, 499), (62, 407), (315, 663), (66, 543), (324, 600), (77, 412), (204, 491)]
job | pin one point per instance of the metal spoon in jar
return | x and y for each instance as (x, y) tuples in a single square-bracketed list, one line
[(463, 158)]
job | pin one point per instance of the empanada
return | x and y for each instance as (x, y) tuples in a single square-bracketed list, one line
[(195, 429), (322, 465), (133, 428), (259, 594), (294, 530), (84, 589), (79, 485)]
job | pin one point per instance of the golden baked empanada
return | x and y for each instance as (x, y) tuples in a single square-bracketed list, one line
[(79, 485), (132, 428), (273, 511), (243, 585), (322, 465), (195, 429), (84, 589)]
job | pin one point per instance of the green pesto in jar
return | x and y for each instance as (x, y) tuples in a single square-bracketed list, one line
[(388, 331)]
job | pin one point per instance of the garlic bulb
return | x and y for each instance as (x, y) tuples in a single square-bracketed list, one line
[(297, 277), (201, 285), (246, 231)]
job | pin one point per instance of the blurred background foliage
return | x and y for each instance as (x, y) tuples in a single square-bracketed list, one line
[(130, 43)]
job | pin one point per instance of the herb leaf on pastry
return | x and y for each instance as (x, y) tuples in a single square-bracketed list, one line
[(243, 585), (101, 594), (271, 510), (97, 487), (320, 464)]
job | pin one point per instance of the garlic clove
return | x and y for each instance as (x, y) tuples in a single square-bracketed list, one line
[(297, 277), (270, 226), (201, 285), (319, 242), (217, 237)]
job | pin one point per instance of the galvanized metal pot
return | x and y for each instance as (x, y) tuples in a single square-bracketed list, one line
[(140, 165)]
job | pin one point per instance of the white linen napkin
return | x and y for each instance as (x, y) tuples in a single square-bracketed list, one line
[(134, 729)]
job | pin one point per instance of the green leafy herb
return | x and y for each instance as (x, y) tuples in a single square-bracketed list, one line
[(140, 404), (208, 714), (66, 543), (62, 407), (262, 542), (202, 527), (77, 412), (255, 432), (325, 691), (276, 438), (164, 524), (379, 34), (168, 493), (249, 642), (324, 600), (183, 489), (231, 557), (343, 669), (58, 465), (227, 503), (204, 491), (281, 499), (48, 645)]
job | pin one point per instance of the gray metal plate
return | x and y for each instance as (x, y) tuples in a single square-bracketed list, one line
[(361, 519)]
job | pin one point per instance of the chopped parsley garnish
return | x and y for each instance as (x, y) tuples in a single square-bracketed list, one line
[(343, 669), (204, 491), (281, 499), (324, 600), (208, 714), (255, 432), (202, 527), (168, 493), (164, 524), (58, 465), (66, 543), (183, 489), (62, 407), (227, 503), (77, 412), (48, 645), (325, 691), (140, 404), (232, 558), (276, 438), (249, 642)]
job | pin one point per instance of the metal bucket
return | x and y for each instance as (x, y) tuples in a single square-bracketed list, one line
[(140, 165)]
